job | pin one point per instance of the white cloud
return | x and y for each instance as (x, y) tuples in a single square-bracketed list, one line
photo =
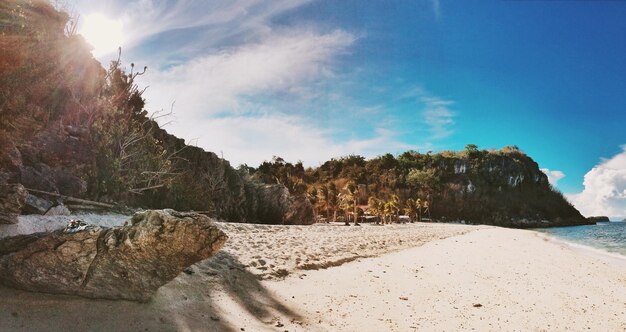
[(250, 88), (553, 176), (251, 140), (215, 83), (219, 20), (435, 112), (438, 116), (605, 189)]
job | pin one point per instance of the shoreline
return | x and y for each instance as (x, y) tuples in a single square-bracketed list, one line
[(590, 251), (457, 278)]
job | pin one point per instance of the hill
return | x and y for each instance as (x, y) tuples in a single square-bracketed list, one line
[(503, 187)]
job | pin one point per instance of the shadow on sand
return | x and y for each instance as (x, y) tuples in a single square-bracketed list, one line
[(219, 295)]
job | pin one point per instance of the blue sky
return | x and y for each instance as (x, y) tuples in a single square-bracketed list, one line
[(311, 80)]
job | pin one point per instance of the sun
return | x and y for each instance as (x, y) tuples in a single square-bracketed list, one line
[(103, 33)]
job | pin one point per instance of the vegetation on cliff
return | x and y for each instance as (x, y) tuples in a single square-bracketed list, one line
[(500, 187)]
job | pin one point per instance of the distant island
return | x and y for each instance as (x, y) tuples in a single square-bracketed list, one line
[(599, 219)]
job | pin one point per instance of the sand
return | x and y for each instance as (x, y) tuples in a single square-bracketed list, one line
[(430, 277)]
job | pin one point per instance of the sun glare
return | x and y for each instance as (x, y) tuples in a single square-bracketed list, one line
[(103, 33)]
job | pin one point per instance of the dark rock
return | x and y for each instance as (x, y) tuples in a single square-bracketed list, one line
[(128, 262), (57, 180), (599, 219), (12, 200), (37, 205), (273, 204), (39, 178), (68, 184)]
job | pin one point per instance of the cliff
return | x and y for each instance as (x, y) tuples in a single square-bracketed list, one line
[(72, 127), (503, 187)]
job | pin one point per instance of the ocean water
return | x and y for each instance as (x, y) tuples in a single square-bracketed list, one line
[(609, 236)]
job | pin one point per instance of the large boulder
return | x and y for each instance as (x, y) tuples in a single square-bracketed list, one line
[(128, 262)]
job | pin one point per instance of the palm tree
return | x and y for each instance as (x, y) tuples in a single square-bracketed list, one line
[(323, 198), (353, 191), (345, 203), (314, 198), (410, 209), (387, 210), (374, 207), (333, 199), (395, 206), (418, 207)]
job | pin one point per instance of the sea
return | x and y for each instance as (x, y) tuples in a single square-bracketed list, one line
[(607, 236)]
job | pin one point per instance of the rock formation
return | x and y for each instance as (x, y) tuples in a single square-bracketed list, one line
[(273, 204), (129, 262), (599, 219)]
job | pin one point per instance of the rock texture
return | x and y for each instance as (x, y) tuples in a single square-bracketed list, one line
[(12, 200), (129, 262)]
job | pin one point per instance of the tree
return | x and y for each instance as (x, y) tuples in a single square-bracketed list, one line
[(471, 148), (346, 204), (410, 208), (332, 199), (313, 197), (387, 211), (375, 208), (353, 191), (418, 208), (395, 206), (323, 200), (425, 181)]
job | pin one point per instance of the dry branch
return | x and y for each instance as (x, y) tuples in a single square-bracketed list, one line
[(70, 199)]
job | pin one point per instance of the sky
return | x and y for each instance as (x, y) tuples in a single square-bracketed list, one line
[(309, 80)]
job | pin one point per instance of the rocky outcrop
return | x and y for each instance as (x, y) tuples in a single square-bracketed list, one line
[(599, 219), (273, 204), (129, 262), (499, 188)]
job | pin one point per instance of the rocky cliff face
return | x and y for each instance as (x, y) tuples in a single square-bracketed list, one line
[(505, 189)]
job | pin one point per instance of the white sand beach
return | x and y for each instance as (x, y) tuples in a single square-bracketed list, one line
[(411, 277)]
